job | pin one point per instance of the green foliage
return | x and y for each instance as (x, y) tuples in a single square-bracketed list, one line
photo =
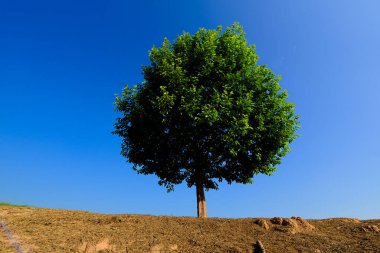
[(206, 109), (12, 205)]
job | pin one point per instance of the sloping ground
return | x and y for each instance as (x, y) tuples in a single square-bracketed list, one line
[(5, 245), (47, 230)]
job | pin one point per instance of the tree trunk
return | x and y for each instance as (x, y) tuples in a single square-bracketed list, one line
[(201, 200)]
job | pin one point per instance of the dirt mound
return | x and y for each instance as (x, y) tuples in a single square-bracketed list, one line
[(293, 225), (40, 230), (299, 224), (371, 228), (367, 228), (262, 223)]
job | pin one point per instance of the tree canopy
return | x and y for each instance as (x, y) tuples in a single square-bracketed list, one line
[(206, 112)]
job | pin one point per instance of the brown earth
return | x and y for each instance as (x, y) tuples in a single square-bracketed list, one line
[(48, 230)]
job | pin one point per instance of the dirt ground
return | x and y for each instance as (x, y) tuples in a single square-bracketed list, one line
[(41, 230)]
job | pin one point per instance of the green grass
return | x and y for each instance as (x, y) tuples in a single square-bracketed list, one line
[(13, 205)]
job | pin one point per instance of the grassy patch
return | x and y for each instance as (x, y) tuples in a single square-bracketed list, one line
[(9, 204)]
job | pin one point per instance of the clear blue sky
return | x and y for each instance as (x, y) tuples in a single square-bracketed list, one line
[(61, 62)]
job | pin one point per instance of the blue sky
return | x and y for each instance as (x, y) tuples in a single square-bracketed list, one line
[(61, 63)]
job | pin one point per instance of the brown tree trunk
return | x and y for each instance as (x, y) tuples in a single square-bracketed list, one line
[(201, 200)]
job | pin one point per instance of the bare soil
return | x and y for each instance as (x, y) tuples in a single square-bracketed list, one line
[(48, 230)]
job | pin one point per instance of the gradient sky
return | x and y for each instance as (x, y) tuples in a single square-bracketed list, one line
[(61, 63)]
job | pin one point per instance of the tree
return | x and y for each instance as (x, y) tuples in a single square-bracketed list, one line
[(206, 112)]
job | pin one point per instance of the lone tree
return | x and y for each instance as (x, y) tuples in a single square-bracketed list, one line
[(206, 112)]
